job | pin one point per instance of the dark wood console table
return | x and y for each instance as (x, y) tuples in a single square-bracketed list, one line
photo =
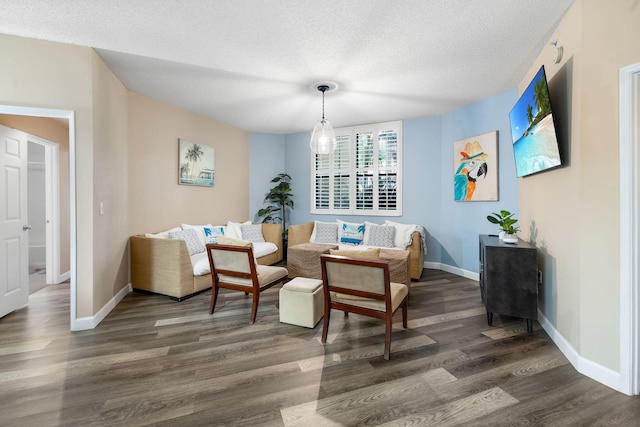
[(509, 279)]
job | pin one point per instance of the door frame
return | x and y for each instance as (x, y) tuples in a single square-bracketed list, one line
[(70, 116), (629, 229)]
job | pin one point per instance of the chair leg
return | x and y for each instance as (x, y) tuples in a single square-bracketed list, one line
[(404, 312), (254, 307), (325, 325), (214, 298), (387, 338)]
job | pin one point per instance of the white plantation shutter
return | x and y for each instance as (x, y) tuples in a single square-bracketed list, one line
[(387, 166), (363, 174)]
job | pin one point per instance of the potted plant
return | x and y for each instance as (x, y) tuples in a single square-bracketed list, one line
[(508, 229), (279, 198)]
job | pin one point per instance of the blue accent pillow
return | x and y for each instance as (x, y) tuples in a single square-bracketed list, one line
[(351, 234), (211, 234)]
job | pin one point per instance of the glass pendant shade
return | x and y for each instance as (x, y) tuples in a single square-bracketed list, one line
[(323, 138)]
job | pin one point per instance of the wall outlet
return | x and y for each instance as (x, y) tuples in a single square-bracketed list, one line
[(540, 277)]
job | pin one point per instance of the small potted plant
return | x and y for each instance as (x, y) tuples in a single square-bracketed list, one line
[(506, 222)]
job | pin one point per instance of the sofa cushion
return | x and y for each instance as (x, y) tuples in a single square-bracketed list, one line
[(252, 232), (200, 263), (350, 233), (190, 236), (211, 234), (261, 249), (380, 235), (324, 232)]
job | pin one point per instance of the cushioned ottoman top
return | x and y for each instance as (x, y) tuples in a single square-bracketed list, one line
[(302, 284)]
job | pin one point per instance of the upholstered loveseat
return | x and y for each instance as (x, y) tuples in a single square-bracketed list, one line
[(163, 265), (404, 237)]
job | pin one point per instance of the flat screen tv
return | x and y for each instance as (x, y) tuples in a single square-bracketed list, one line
[(535, 144)]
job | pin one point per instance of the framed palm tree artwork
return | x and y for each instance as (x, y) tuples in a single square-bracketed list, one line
[(195, 163)]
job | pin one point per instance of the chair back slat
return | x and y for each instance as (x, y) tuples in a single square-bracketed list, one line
[(231, 260), (366, 281)]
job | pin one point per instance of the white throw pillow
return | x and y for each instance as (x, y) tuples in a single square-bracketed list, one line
[(402, 238), (233, 229), (162, 234)]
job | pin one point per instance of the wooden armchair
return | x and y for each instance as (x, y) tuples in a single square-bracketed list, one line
[(234, 267), (362, 287)]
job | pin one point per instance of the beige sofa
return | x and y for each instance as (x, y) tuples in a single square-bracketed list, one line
[(301, 233), (163, 266)]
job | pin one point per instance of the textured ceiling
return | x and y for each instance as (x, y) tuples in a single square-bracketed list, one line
[(253, 63)]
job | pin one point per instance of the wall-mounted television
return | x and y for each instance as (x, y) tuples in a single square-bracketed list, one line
[(535, 142)]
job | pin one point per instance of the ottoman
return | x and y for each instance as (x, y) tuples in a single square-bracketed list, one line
[(302, 302)]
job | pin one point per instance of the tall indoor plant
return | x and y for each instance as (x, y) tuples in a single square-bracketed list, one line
[(279, 198)]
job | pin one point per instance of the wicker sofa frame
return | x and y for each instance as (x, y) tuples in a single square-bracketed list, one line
[(163, 266), (301, 233)]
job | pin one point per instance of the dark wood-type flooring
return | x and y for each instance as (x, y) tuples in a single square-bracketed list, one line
[(155, 361)]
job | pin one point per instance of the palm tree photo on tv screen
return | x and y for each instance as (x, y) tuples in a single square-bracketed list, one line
[(535, 144)]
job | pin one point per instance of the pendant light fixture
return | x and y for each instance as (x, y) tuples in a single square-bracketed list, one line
[(323, 138)]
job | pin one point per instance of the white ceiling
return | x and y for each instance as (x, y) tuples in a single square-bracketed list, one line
[(253, 63)]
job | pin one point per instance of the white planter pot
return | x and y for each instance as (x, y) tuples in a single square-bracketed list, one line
[(510, 238)]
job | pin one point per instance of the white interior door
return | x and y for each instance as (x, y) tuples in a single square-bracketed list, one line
[(14, 230)]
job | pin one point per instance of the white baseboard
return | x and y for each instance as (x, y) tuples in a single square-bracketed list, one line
[(453, 270), (63, 277), (91, 322), (586, 367)]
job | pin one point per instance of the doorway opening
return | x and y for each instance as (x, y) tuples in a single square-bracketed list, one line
[(69, 117), (44, 214)]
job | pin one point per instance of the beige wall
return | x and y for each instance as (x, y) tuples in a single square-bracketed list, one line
[(43, 74), (156, 201), (110, 184), (54, 130), (126, 157), (572, 212)]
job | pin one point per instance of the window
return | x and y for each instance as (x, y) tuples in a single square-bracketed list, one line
[(363, 174)]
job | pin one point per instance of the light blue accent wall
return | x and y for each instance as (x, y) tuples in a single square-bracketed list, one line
[(452, 227), (462, 222), (266, 160)]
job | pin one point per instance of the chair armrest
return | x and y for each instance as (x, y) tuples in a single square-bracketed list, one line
[(299, 233), (416, 251), (161, 265), (273, 233)]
